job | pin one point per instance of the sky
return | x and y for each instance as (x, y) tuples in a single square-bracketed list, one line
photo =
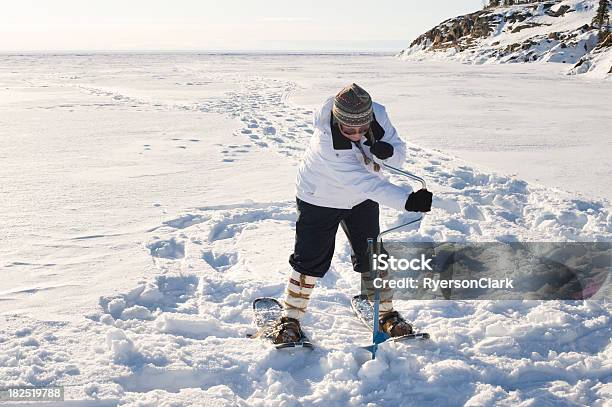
[(232, 25)]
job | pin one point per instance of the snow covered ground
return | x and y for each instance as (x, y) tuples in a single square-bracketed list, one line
[(148, 199)]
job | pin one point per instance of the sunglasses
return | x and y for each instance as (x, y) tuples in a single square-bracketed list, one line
[(352, 131)]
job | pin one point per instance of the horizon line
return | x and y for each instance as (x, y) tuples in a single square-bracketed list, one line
[(204, 51)]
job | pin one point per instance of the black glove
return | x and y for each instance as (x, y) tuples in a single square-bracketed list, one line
[(419, 201), (382, 150)]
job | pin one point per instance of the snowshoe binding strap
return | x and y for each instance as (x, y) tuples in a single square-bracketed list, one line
[(393, 324), (286, 330)]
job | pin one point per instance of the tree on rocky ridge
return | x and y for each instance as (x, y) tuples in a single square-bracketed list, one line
[(602, 20), (602, 15)]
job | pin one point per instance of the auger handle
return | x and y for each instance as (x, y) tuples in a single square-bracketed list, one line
[(412, 177)]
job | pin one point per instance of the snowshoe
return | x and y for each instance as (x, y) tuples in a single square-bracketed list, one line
[(392, 325), (272, 326)]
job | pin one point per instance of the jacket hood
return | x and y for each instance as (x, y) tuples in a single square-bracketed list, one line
[(323, 115)]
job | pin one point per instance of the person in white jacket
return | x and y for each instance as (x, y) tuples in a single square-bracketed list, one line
[(339, 183)]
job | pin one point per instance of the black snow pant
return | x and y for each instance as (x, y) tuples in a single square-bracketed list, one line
[(315, 236)]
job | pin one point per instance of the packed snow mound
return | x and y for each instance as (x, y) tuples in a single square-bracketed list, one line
[(539, 31)]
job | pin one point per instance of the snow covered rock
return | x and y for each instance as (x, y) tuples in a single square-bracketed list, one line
[(597, 63), (540, 31)]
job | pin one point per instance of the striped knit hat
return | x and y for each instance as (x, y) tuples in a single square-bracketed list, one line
[(353, 106)]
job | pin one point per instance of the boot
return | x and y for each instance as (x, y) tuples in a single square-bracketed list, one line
[(286, 330), (393, 324)]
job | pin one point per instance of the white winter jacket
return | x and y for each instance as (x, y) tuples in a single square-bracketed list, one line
[(333, 172)]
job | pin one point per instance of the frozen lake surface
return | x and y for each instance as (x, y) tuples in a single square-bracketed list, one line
[(148, 199)]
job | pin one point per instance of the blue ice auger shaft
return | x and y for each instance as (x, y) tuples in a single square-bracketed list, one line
[(378, 336)]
